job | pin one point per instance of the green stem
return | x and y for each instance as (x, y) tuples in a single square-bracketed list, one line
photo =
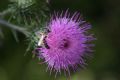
[(14, 27)]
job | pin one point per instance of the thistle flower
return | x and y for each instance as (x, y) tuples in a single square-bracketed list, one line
[(67, 42)]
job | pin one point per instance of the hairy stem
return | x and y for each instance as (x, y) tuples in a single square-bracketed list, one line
[(14, 27)]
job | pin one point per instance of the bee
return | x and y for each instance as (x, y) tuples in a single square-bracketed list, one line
[(42, 41), (41, 38)]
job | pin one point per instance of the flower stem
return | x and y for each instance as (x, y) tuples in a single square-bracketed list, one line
[(14, 27)]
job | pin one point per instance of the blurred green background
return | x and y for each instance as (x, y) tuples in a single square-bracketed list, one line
[(104, 15)]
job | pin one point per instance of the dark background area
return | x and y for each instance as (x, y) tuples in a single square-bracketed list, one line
[(104, 15)]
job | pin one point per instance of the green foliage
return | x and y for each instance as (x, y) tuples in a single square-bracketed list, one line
[(31, 15)]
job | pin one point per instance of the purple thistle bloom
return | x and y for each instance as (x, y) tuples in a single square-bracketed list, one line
[(67, 42)]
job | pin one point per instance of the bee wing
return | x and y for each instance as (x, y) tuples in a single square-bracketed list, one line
[(40, 42)]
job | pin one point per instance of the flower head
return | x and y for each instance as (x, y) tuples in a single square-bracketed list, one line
[(67, 42)]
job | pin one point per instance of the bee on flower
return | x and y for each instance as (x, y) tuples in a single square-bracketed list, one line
[(67, 43)]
